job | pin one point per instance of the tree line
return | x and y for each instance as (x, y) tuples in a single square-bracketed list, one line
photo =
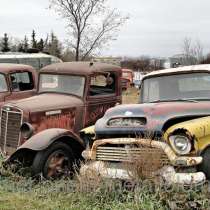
[(50, 44), (91, 25)]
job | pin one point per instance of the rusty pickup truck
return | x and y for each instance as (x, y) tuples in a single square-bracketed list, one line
[(16, 82), (42, 132), (166, 135)]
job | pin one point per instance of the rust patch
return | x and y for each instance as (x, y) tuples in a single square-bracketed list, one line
[(65, 121)]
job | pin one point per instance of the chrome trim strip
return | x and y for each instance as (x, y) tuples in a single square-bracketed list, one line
[(5, 133), (3, 109)]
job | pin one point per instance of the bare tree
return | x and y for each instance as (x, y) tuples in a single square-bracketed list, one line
[(91, 24), (198, 51), (193, 52)]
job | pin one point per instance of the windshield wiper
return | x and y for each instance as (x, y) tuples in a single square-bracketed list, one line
[(178, 99)]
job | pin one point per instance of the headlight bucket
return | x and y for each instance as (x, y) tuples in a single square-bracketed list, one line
[(181, 144), (26, 130)]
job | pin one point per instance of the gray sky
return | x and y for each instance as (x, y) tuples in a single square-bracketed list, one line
[(155, 27)]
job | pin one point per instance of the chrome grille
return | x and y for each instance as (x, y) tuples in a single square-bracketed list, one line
[(142, 162), (10, 128), (123, 154)]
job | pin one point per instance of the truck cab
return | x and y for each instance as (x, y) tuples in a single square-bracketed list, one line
[(166, 135), (43, 130), (17, 81)]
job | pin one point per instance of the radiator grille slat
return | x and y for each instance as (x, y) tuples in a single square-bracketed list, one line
[(141, 162), (123, 154), (10, 129)]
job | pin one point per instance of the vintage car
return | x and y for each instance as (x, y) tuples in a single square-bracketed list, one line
[(43, 131), (127, 78), (16, 82), (167, 135)]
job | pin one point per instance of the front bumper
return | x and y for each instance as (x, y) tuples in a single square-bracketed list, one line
[(167, 174), (113, 168)]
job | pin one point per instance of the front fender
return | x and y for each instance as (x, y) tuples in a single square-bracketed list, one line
[(44, 139), (198, 129), (89, 130)]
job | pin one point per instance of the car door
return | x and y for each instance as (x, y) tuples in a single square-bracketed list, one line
[(102, 95)]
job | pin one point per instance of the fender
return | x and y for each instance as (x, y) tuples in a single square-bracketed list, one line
[(199, 129), (44, 139), (89, 130)]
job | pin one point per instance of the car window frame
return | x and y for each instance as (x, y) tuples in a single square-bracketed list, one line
[(107, 95), (6, 80), (63, 74), (19, 72)]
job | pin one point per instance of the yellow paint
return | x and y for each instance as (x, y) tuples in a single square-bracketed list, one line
[(198, 128), (89, 130)]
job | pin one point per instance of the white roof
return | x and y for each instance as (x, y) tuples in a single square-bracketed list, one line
[(184, 69), (24, 55)]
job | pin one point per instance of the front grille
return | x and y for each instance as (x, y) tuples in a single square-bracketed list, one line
[(143, 161), (11, 121)]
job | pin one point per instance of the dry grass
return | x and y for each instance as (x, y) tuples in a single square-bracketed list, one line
[(131, 96), (20, 193)]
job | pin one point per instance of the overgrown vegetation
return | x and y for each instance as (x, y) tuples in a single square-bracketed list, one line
[(93, 193), (18, 192)]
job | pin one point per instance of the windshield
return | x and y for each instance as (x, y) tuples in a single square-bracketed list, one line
[(62, 84), (177, 87), (3, 84)]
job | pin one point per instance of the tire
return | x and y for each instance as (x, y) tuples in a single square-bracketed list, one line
[(63, 164), (205, 165)]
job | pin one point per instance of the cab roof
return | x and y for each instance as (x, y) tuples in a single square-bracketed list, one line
[(80, 68), (8, 67), (180, 70)]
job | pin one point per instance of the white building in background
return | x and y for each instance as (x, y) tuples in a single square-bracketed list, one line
[(179, 60), (37, 60), (109, 60)]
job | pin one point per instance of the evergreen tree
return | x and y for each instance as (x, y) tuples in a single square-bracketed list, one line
[(25, 44), (40, 45), (53, 46), (33, 41), (5, 43), (21, 47)]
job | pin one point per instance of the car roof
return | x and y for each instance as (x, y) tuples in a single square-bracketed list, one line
[(180, 70), (9, 67), (80, 68)]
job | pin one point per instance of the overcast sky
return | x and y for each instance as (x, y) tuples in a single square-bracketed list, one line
[(155, 27)]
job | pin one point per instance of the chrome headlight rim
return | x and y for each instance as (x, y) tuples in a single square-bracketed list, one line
[(181, 144)]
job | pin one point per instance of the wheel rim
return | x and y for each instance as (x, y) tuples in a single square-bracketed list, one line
[(57, 165)]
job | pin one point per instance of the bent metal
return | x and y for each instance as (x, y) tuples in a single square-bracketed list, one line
[(166, 135), (43, 131)]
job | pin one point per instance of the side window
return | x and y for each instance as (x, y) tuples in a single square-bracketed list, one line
[(3, 83), (22, 81), (102, 84)]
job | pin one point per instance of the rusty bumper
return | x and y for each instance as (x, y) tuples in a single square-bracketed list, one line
[(111, 161), (167, 174)]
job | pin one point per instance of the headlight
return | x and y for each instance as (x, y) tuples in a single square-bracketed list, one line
[(126, 122), (181, 144), (26, 130)]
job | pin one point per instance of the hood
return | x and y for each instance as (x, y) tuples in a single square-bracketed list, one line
[(47, 101), (156, 114)]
